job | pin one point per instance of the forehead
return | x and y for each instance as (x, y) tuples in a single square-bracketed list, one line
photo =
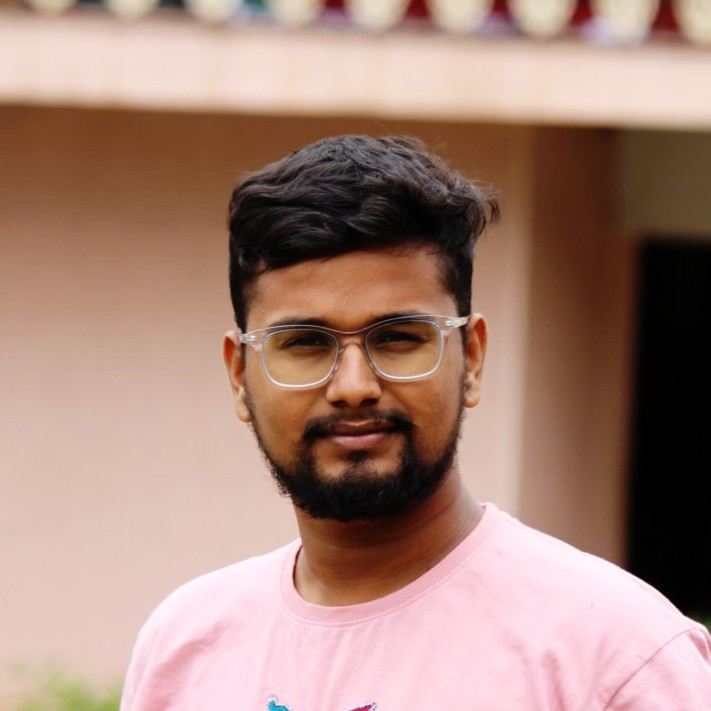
[(351, 290)]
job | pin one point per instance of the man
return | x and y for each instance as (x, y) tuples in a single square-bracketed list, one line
[(350, 273)]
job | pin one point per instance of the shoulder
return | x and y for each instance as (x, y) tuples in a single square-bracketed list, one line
[(523, 556), (581, 613), (224, 597), (212, 612)]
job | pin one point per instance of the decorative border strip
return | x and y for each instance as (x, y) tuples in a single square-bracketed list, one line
[(614, 22)]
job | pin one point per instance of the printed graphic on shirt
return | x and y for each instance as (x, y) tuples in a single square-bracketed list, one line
[(274, 705)]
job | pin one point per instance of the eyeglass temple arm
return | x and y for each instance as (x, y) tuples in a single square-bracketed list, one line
[(456, 322)]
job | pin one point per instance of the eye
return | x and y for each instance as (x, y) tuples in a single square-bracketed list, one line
[(302, 340), (394, 336), (404, 336)]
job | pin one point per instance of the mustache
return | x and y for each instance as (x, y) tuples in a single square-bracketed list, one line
[(327, 425)]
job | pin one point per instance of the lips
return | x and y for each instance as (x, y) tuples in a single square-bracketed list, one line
[(359, 435), (355, 434), (358, 429), (360, 441)]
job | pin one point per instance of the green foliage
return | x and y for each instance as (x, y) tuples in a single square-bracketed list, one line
[(57, 691), (703, 617), (706, 621)]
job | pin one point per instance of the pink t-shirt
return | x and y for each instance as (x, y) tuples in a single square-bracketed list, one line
[(511, 620)]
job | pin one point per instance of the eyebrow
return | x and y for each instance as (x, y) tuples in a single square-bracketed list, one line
[(300, 321)]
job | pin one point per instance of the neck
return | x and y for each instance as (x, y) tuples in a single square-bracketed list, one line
[(360, 561)]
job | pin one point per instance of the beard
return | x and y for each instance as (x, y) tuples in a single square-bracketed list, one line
[(360, 492)]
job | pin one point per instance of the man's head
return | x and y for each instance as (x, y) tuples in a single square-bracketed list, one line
[(359, 419), (355, 193)]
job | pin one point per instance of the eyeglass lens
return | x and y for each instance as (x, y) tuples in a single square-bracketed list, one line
[(303, 356)]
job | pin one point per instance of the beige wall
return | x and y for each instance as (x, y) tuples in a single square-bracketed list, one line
[(579, 343), (122, 468)]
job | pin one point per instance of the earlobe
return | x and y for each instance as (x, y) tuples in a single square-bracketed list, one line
[(475, 354), (232, 353), (243, 412)]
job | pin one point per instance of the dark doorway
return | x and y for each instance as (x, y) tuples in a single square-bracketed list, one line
[(670, 497)]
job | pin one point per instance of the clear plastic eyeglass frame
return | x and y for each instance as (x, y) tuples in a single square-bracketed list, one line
[(444, 324)]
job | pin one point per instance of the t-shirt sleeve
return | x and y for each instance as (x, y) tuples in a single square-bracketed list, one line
[(137, 668), (676, 678)]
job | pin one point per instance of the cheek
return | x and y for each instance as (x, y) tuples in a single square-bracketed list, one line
[(443, 408), (279, 415), (450, 385), (437, 415)]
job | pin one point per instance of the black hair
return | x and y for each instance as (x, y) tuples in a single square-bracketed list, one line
[(355, 193)]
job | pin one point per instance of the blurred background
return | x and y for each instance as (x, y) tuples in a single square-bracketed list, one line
[(124, 125)]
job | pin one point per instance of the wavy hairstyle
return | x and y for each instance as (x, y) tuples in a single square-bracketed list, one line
[(354, 193)]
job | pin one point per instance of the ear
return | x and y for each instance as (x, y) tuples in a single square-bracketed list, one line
[(475, 354), (234, 362)]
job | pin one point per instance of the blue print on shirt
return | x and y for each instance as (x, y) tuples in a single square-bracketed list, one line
[(272, 705)]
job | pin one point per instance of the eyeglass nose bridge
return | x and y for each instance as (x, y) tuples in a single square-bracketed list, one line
[(359, 341)]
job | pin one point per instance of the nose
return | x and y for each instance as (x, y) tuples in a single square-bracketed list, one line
[(354, 384)]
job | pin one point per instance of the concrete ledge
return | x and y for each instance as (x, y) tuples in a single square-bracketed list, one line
[(169, 61)]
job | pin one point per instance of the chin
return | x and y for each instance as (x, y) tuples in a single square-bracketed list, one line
[(361, 490), (359, 465)]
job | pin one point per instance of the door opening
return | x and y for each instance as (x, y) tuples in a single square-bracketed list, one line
[(670, 492)]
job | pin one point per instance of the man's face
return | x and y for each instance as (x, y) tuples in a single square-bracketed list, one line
[(358, 446)]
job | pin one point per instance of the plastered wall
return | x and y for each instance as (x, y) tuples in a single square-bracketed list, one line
[(579, 343)]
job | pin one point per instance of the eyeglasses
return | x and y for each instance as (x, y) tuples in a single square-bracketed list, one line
[(400, 349)]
